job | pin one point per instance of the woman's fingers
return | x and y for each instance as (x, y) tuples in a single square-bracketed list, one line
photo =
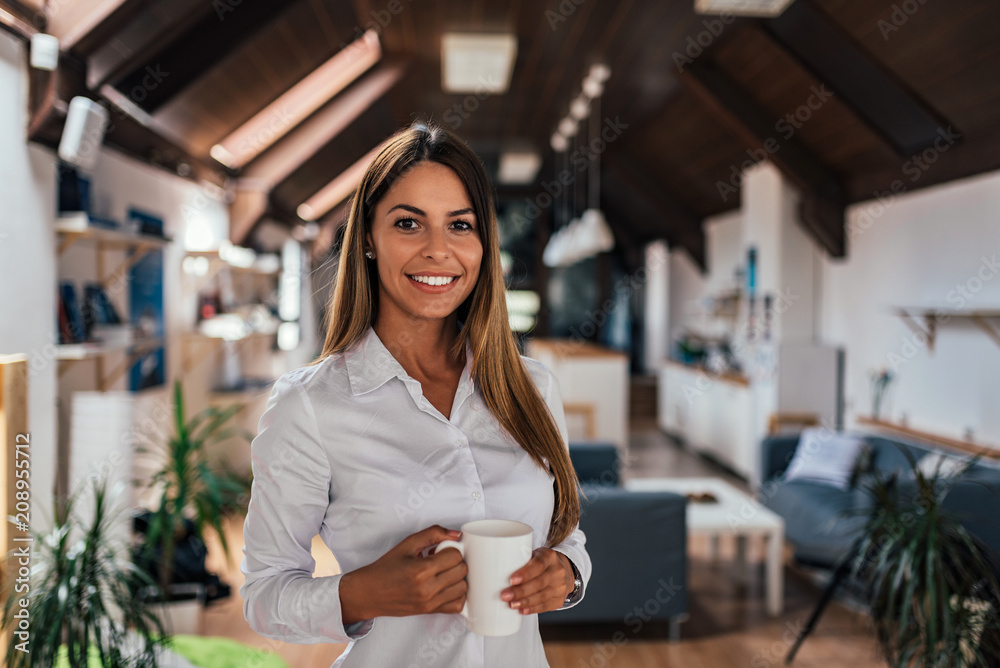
[(452, 598), (540, 602), (542, 584), (535, 567), (453, 574)]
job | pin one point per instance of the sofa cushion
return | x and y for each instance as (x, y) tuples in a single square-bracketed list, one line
[(825, 457), (637, 542), (890, 454), (820, 520), (941, 465), (595, 462)]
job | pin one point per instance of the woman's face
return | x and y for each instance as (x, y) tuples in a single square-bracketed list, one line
[(425, 237)]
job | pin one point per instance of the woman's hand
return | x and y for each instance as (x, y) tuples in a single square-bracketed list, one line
[(402, 583), (541, 584)]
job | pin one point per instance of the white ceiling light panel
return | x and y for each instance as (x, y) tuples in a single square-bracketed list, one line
[(477, 63)]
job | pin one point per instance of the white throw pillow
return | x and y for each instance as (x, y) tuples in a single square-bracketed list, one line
[(949, 465), (825, 457)]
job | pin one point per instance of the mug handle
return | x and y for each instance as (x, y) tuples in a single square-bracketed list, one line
[(461, 548)]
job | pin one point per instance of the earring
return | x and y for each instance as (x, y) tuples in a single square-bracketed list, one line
[(370, 255)]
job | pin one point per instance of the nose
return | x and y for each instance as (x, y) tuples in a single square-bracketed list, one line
[(437, 245)]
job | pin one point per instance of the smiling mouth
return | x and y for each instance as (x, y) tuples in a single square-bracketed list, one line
[(433, 280)]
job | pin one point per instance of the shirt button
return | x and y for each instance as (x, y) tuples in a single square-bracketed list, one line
[(476, 495)]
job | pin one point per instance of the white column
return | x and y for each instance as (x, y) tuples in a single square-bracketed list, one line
[(657, 305)]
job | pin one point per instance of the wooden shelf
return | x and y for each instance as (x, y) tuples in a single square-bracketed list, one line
[(963, 446), (932, 317), (734, 378), (74, 227), (71, 353)]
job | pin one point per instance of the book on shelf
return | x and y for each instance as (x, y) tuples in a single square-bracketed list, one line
[(77, 332), (65, 333), (98, 308)]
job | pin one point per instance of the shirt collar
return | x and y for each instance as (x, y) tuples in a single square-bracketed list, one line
[(370, 365)]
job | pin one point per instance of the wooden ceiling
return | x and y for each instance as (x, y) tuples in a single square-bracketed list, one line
[(696, 97)]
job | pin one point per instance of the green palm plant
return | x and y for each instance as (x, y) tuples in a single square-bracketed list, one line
[(190, 487), (931, 586), (81, 594)]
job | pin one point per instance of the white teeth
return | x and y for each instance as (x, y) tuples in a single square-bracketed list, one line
[(434, 280)]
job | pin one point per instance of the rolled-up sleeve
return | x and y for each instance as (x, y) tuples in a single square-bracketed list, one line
[(574, 547), (289, 499)]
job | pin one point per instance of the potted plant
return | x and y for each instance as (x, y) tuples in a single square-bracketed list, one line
[(81, 596), (194, 496), (931, 586)]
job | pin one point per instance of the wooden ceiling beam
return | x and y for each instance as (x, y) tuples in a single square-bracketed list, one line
[(283, 158), (683, 226), (20, 19), (83, 26), (127, 130), (822, 207), (142, 38), (894, 112), (203, 46)]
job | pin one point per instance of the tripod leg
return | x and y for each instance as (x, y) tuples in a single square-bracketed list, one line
[(838, 575)]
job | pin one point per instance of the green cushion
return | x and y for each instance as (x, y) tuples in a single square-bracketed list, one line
[(204, 652)]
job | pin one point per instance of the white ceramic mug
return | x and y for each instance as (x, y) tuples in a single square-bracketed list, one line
[(493, 550)]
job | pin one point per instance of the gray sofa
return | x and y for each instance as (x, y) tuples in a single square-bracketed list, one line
[(819, 520), (634, 541)]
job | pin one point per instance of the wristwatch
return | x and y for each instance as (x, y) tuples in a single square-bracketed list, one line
[(577, 583)]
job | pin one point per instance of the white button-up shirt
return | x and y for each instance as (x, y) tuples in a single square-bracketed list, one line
[(350, 449)]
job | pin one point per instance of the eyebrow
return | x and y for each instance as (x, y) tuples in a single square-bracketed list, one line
[(413, 209)]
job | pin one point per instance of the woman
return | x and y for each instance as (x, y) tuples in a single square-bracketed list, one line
[(418, 416)]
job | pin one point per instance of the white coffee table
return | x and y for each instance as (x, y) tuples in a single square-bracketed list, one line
[(736, 514)]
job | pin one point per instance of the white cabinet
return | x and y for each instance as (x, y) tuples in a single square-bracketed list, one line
[(711, 413), (594, 381)]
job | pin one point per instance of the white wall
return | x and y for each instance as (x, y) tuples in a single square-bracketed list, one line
[(917, 251), (689, 287), (27, 263)]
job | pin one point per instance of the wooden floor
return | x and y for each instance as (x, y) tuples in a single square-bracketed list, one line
[(727, 625)]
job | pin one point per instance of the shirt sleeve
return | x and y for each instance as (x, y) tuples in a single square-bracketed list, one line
[(574, 547), (288, 501)]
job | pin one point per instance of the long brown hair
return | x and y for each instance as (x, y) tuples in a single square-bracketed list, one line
[(507, 388)]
